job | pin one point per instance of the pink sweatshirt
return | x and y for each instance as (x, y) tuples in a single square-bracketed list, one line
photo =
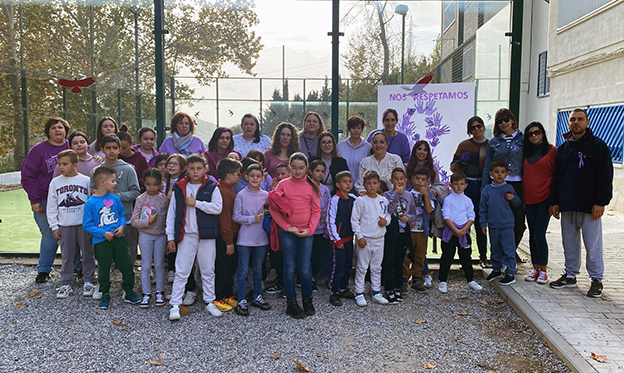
[(305, 203)]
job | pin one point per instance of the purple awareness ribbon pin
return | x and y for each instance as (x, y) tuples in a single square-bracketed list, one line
[(581, 162)]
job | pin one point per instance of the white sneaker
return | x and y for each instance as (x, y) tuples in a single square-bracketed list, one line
[(442, 287), (174, 313), (64, 291), (97, 295), (428, 281), (88, 289), (145, 301), (214, 311), (360, 300), (170, 277), (474, 285), (379, 299), (189, 298)]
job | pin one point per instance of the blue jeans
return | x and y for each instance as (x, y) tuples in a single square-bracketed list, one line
[(297, 254), (256, 254), (473, 191), (49, 244), (503, 249)]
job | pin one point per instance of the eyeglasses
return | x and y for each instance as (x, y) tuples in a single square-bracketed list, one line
[(172, 164), (324, 143), (499, 121), (476, 127), (534, 133)]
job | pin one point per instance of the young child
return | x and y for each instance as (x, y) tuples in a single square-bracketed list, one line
[(252, 240), (126, 187), (228, 170), (420, 228), (369, 220), (397, 240), (193, 224), (105, 220), (234, 155), (341, 236), (161, 165), (283, 172), (176, 170), (259, 156), (496, 214), (242, 182), (321, 247), (129, 155), (66, 199), (458, 213), (276, 258), (149, 217)]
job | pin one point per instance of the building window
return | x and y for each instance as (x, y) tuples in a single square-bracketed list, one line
[(571, 10), (450, 13), (543, 81)]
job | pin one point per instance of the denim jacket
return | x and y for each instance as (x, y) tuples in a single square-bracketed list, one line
[(511, 153)]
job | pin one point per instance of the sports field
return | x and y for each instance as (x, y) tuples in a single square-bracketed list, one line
[(18, 231)]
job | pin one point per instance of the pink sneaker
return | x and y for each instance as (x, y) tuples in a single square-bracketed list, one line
[(543, 278), (533, 276)]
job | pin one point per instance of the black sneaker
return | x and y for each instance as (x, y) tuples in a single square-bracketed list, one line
[(273, 289), (346, 294), (595, 290), (334, 300), (564, 282), (391, 297), (293, 309), (508, 280), (42, 277), (418, 286), (484, 262), (493, 275), (398, 295), (308, 307), (259, 302), (404, 286), (314, 287), (242, 309)]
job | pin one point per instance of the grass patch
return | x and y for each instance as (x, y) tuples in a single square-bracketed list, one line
[(18, 231)]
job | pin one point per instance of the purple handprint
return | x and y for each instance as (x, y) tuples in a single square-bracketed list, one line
[(430, 108), (420, 106)]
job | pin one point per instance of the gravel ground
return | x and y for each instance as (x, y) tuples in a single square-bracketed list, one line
[(39, 333)]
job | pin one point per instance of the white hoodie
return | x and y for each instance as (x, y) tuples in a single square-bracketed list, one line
[(365, 216)]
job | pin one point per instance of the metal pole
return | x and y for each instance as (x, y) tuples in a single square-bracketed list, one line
[(261, 116), (335, 66), (24, 87), (217, 94), (516, 58), (119, 109), (348, 91), (159, 69), (304, 96), (92, 132), (137, 90), (172, 89), (403, 51), (64, 103)]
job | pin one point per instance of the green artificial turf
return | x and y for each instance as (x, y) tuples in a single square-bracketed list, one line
[(18, 230)]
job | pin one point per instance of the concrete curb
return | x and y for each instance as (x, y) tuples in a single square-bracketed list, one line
[(575, 361)]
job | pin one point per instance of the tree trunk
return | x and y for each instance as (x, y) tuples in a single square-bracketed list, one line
[(385, 77)]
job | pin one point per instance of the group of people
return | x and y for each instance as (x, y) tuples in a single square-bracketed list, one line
[(309, 205)]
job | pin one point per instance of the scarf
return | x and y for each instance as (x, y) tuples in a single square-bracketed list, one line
[(182, 143)]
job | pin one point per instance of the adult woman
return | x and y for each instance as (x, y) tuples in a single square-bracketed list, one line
[(469, 158), (79, 142), (284, 144), (219, 147), (397, 142), (326, 151), (539, 162), (106, 126), (507, 144), (308, 138), (381, 161), (37, 170), (145, 147), (296, 231), (251, 137), (182, 141), (127, 154), (421, 156), (353, 149)]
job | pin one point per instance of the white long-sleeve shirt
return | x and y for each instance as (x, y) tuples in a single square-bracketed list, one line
[(365, 216), (66, 200), (213, 207), (383, 168), (458, 208)]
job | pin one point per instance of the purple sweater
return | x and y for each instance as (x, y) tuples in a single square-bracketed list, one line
[(38, 168), (247, 204), (85, 165), (196, 147), (398, 144)]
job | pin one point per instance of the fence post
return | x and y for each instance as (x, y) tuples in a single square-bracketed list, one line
[(119, 109), (139, 114), (172, 89), (25, 112), (261, 116), (217, 94), (348, 91), (93, 129), (65, 103), (304, 96)]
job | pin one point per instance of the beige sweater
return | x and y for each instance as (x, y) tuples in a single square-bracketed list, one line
[(143, 206)]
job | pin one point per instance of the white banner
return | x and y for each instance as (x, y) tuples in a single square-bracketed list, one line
[(437, 113)]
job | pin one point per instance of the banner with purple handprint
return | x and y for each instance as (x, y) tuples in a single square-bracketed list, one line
[(436, 113)]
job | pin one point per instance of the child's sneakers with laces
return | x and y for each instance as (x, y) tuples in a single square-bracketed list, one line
[(542, 278), (88, 289), (214, 311), (442, 287), (242, 308), (595, 290), (391, 298), (508, 279), (428, 282), (174, 313), (64, 291), (379, 299), (496, 273), (104, 301), (360, 300), (474, 285), (145, 302), (261, 303), (170, 277), (563, 282), (189, 298), (131, 297), (532, 276), (222, 305), (97, 294), (232, 300)]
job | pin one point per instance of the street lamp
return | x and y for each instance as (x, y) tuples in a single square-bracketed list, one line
[(402, 10)]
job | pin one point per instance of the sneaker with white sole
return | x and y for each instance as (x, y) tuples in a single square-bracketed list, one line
[(88, 289), (160, 300), (97, 294), (64, 291), (170, 277), (532, 277), (474, 285), (379, 299), (145, 301), (508, 280), (360, 300), (214, 311), (542, 278), (442, 287), (189, 298), (428, 282), (174, 313)]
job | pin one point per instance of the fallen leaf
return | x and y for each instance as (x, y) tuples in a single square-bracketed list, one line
[(280, 330), (277, 356), (102, 346), (598, 358), (429, 365), (301, 366), (484, 302), (117, 322), (464, 313), (309, 329), (64, 349), (21, 305), (490, 371), (157, 362), (33, 293), (458, 340), (605, 298), (184, 311), (420, 321), (1, 330), (482, 365)]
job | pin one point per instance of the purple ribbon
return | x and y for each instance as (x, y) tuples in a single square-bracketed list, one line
[(581, 162)]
